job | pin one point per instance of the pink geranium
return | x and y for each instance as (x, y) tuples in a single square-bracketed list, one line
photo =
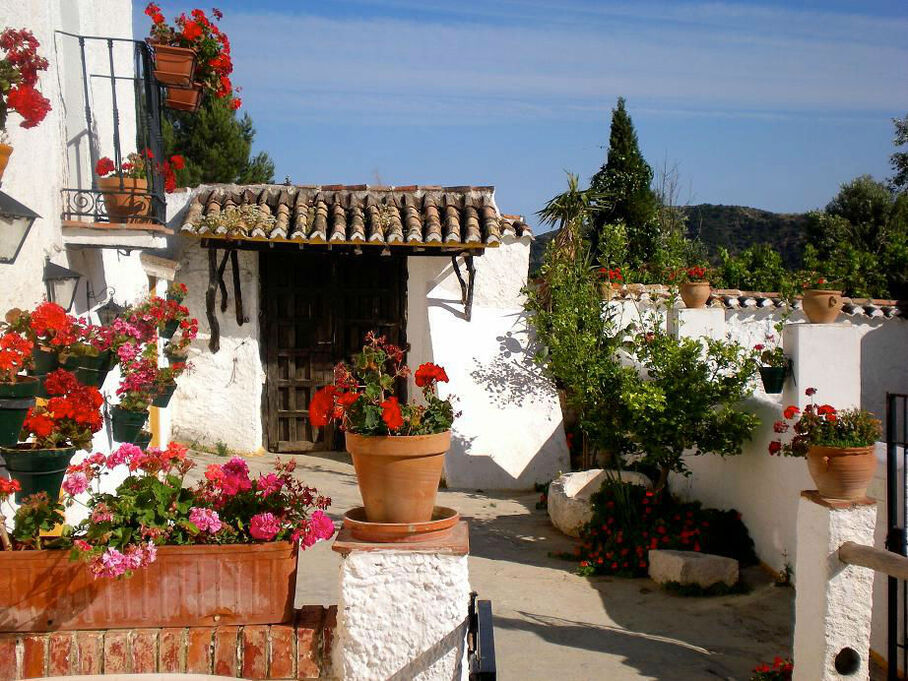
[(264, 526), (75, 483), (123, 454), (319, 527), (269, 483), (205, 519)]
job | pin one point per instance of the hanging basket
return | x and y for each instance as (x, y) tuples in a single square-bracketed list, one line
[(169, 329), (89, 369), (143, 439), (174, 65), (15, 401), (127, 424), (187, 99), (163, 398), (773, 379), (37, 470)]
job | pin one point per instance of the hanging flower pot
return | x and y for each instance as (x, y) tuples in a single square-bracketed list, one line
[(841, 473), (45, 359), (143, 439), (163, 397), (126, 202), (89, 369), (169, 329), (15, 401), (174, 65), (37, 470), (398, 475), (127, 424), (822, 306), (187, 99), (695, 293), (773, 379), (5, 152)]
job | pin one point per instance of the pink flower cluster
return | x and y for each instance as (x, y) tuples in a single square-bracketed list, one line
[(113, 563), (264, 526), (319, 526), (205, 519), (231, 478)]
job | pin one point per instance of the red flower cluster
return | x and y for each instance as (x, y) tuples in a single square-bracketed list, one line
[(779, 670), (390, 413), (429, 373), (21, 66), (696, 273), (15, 355), (52, 326), (137, 165), (8, 487), (611, 274), (70, 417)]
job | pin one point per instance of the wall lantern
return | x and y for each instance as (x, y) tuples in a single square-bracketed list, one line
[(61, 284), (109, 311), (15, 222)]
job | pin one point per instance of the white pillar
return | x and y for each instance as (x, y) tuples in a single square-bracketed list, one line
[(833, 601), (826, 357), (701, 322), (402, 610)]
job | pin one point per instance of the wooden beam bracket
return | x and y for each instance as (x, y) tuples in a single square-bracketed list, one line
[(216, 283), (466, 286)]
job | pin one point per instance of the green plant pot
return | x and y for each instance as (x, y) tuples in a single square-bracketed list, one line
[(175, 359), (163, 398), (773, 379), (45, 361), (37, 470), (143, 439), (89, 369), (169, 329), (15, 401), (127, 424)]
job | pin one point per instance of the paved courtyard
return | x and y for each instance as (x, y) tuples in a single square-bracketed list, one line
[(553, 624)]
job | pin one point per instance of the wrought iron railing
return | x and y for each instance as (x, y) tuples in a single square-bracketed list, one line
[(138, 204), (897, 517)]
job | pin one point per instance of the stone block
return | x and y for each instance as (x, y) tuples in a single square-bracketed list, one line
[(692, 567), (569, 496)]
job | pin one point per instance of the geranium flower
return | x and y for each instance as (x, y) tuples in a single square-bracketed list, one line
[(206, 519), (791, 411), (429, 373), (321, 406), (775, 447), (8, 487), (269, 483), (390, 414), (264, 526), (75, 484)]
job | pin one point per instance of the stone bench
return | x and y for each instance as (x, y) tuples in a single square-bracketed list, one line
[(692, 567), (569, 496)]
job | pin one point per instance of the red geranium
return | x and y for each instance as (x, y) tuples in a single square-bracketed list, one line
[(15, 355), (20, 69), (429, 373), (390, 414), (70, 416)]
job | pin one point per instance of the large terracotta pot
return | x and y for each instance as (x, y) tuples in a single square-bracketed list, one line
[(5, 152), (398, 476), (186, 586), (15, 401), (841, 473), (184, 99), (174, 65), (37, 470), (822, 307), (608, 290), (695, 293), (129, 203)]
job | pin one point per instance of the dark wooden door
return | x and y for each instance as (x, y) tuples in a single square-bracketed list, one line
[(316, 310)]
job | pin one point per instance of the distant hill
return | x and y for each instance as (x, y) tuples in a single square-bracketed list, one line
[(731, 227)]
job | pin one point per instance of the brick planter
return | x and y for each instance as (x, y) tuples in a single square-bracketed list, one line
[(186, 586), (297, 650)]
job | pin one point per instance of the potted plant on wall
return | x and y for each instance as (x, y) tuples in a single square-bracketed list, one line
[(398, 449), (125, 188), (150, 541), (19, 69), (165, 384), (137, 389), (174, 56), (89, 358), (610, 281), (17, 392), (838, 445), (51, 434), (774, 364), (822, 300), (694, 285), (51, 330)]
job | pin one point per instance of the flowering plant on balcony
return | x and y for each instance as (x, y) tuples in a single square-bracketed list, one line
[(47, 326), (201, 34), (154, 507), (137, 166), (159, 312), (70, 417), (18, 77), (825, 426), (91, 341), (363, 397), (15, 356), (139, 375)]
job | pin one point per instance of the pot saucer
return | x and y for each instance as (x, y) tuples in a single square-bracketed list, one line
[(443, 519)]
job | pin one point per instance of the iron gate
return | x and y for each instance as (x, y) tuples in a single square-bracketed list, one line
[(896, 518)]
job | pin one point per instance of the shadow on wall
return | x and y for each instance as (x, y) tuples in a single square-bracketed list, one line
[(884, 365), (512, 376)]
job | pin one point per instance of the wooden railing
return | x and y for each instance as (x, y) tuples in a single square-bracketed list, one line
[(881, 560)]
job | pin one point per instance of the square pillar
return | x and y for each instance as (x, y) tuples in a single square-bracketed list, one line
[(703, 322), (833, 601), (403, 609), (826, 357)]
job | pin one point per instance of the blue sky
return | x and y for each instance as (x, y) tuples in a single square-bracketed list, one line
[(767, 104)]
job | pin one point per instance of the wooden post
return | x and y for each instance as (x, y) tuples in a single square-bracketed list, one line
[(881, 560)]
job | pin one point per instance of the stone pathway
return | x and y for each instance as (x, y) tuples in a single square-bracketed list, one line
[(553, 624)]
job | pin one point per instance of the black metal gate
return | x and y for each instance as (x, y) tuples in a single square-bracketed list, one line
[(896, 518)]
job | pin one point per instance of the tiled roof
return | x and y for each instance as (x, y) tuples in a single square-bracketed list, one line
[(453, 217), (736, 299)]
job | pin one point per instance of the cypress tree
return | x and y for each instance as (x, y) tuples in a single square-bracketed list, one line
[(624, 184), (216, 145)]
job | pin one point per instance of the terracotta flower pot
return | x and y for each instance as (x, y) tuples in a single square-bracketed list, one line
[(130, 202), (398, 476), (608, 290), (186, 586), (174, 65), (822, 307), (841, 473), (5, 152), (695, 293), (184, 99), (37, 470), (127, 424), (15, 401), (773, 379)]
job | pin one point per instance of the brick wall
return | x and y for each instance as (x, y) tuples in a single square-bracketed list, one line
[(300, 650)]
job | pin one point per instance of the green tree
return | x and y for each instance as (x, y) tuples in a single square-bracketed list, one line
[(899, 159), (757, 268), (624, 184), (216, 144)]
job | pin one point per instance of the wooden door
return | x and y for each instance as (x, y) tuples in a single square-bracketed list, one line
[(316, 310)]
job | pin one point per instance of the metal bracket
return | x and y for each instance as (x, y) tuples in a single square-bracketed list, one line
[(466, 287), (481, 641)]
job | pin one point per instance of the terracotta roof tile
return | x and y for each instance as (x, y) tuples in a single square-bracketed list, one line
[(357, 214)]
